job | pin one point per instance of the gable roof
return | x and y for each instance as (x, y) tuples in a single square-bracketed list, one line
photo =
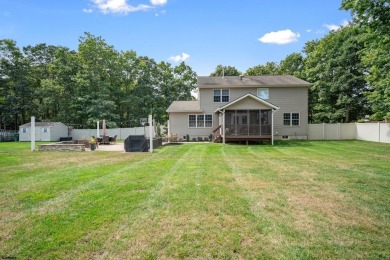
[(185, 106), (262, 101), (245, 81)]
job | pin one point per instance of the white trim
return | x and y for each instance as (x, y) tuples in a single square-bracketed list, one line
[(223, 126), (272, 127), (221, 89), (196, 121), (264, 102), (291, 119)]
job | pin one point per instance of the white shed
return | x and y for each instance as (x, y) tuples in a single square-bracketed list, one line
[(44, 131)]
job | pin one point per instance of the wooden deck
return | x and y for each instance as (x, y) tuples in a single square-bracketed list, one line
[(248, 138)]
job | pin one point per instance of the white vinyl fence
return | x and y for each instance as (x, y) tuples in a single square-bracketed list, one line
[(121, 133), (376, 132)]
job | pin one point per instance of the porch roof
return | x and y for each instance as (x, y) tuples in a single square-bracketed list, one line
[(247, 96)]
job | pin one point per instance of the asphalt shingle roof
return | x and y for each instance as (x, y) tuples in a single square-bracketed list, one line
[(265, 81), (184, 106)]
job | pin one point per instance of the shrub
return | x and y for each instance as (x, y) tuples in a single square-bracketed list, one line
[(206, 139), (200, 139), (187, 138), (194, 139)]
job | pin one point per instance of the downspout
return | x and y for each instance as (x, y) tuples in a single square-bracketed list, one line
[(223, 126), (272, 128)]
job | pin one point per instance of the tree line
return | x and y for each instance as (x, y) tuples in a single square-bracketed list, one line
[(54, 83), (349, 69)]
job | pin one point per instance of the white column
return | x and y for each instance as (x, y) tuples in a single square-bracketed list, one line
[(169, 131), (223, 126), (150, 134), (32, 138), (97, 129)]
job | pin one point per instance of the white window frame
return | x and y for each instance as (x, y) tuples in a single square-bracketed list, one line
[(291, 119), (204, 121), (24, 130), (262, 89), (221, 95), (45, 129), (189, 121)]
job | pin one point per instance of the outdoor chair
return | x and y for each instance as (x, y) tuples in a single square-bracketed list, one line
[(113, 139), (105, 139)]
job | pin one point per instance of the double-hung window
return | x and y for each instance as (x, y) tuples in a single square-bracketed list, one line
[(191, 120), (291, 119), (221, 95), (200, 121)]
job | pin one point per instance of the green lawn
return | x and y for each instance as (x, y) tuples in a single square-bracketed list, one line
[(293, 200)]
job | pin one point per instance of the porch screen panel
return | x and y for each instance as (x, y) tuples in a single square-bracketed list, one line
[(254, 122), (266, 122)]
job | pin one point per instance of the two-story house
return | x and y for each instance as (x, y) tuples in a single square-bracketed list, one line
[(244, 108)]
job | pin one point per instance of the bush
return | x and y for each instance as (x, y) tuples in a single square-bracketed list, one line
[(173, 138), (200, 139), (194, 139), (187, 138), (206, 139)]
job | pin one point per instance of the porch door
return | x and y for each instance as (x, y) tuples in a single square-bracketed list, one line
[(241, 122)]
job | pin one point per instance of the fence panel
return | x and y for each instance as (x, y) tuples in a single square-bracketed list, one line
[(121, 133), (375, 132), (7, 135)]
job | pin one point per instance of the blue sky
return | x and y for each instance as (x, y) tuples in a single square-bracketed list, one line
[(204, 33)]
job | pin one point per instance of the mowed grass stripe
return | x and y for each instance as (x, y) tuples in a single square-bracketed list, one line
[(99, 201), (301, 204), (304, 200)]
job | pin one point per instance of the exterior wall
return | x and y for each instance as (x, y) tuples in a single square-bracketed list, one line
[(57, 131), (288, 99), (179, 125), (53, 133)]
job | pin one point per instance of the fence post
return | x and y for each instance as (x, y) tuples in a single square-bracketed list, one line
[(323, 131), (339, 130), (32, 137), (379, 132)]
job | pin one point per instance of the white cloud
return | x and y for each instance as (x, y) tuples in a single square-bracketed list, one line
[(308, 30), (87, 10), (334, 27), (280, 37), (118, 6), (179, 58), (158, 2)]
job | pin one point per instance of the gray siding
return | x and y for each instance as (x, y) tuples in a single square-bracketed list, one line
[(57, 131), (179, 125), (288, 99)]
